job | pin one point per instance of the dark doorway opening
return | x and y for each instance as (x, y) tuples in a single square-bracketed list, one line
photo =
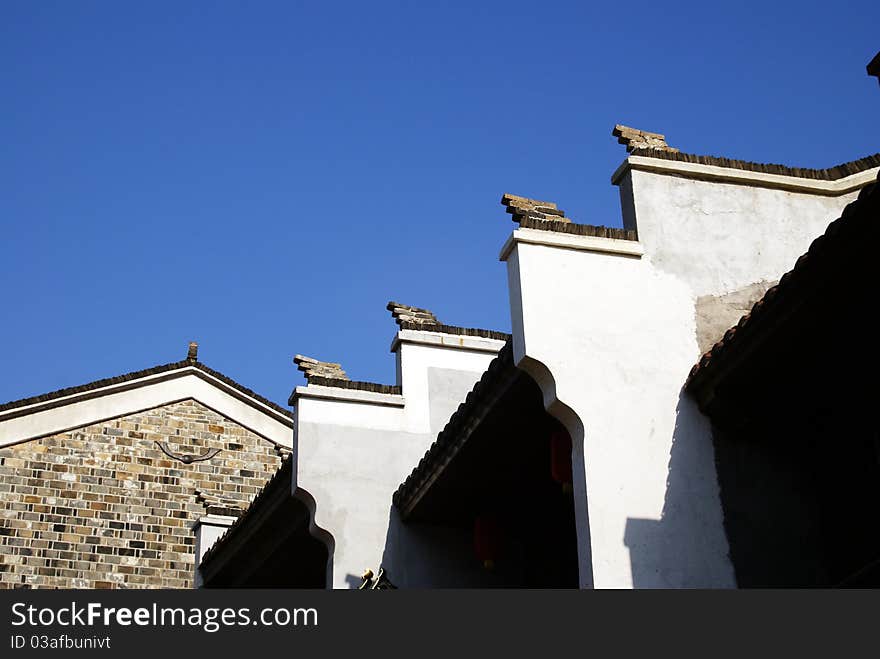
[(501, 472)]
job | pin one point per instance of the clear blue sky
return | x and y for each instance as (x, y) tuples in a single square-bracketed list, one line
[(263, 177)]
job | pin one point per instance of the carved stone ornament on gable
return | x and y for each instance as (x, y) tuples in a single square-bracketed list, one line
[(187, 459)]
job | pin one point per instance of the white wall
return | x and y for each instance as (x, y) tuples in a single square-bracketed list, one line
[(610, 336), (420, 355), (721, 236), (353, 450), (619, 340), (207, 530), (427, 556)]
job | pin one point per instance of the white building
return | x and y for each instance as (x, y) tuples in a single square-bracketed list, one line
[(607, 325), (687, 401)]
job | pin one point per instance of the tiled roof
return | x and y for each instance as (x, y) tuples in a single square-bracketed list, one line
[(356, 384), (329, 374), (829, 174), (544, 215), (863, 212), (280, 479), (408, 317), (136, 375), (453, 437), (393, 389), (580, 229), (460, 331), (416, 318)]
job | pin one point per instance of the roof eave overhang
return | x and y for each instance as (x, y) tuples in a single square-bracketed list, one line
[(610, 246), (435, 339)]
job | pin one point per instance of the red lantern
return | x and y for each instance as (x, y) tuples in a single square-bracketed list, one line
[(560, 459), (487, 540)]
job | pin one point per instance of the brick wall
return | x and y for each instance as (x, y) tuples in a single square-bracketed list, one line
[(104, 507)]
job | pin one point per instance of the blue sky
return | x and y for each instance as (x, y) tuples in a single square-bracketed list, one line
[(263, 177)]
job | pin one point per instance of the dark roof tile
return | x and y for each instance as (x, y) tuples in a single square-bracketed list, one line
[(543, 215), (416, 318)]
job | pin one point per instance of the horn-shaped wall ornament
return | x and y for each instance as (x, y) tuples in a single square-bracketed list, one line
[(187, 459)]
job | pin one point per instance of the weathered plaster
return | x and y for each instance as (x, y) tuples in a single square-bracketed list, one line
[(715, 314), (720, 237)]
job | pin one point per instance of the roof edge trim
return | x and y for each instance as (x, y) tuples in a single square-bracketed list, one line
[(487, 341), (338, 394), (158, 374), (831, 182), (613, 246)]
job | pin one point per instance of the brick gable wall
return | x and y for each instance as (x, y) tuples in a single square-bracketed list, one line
[(103, 507)]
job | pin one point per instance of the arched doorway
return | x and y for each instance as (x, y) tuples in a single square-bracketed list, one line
[(494, 493)]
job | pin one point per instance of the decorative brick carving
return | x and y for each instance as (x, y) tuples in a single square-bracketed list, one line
[(524, 209), (318, 369), (103, 507), (192, 354), (406, 315), (636, 139)]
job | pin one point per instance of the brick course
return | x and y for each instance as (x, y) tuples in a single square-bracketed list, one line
[(103, 507)]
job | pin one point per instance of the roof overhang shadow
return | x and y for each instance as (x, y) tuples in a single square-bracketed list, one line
[(494, 459), (270, 545)]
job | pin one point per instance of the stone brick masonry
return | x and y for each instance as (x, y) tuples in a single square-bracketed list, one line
[(104, 507)]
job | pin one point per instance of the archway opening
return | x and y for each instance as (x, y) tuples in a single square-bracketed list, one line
[(498, 484)]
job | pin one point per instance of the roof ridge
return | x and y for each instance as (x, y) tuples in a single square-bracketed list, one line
[(136, 375), (546, 216), (456, 330), (595, 230), (357, 385)]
